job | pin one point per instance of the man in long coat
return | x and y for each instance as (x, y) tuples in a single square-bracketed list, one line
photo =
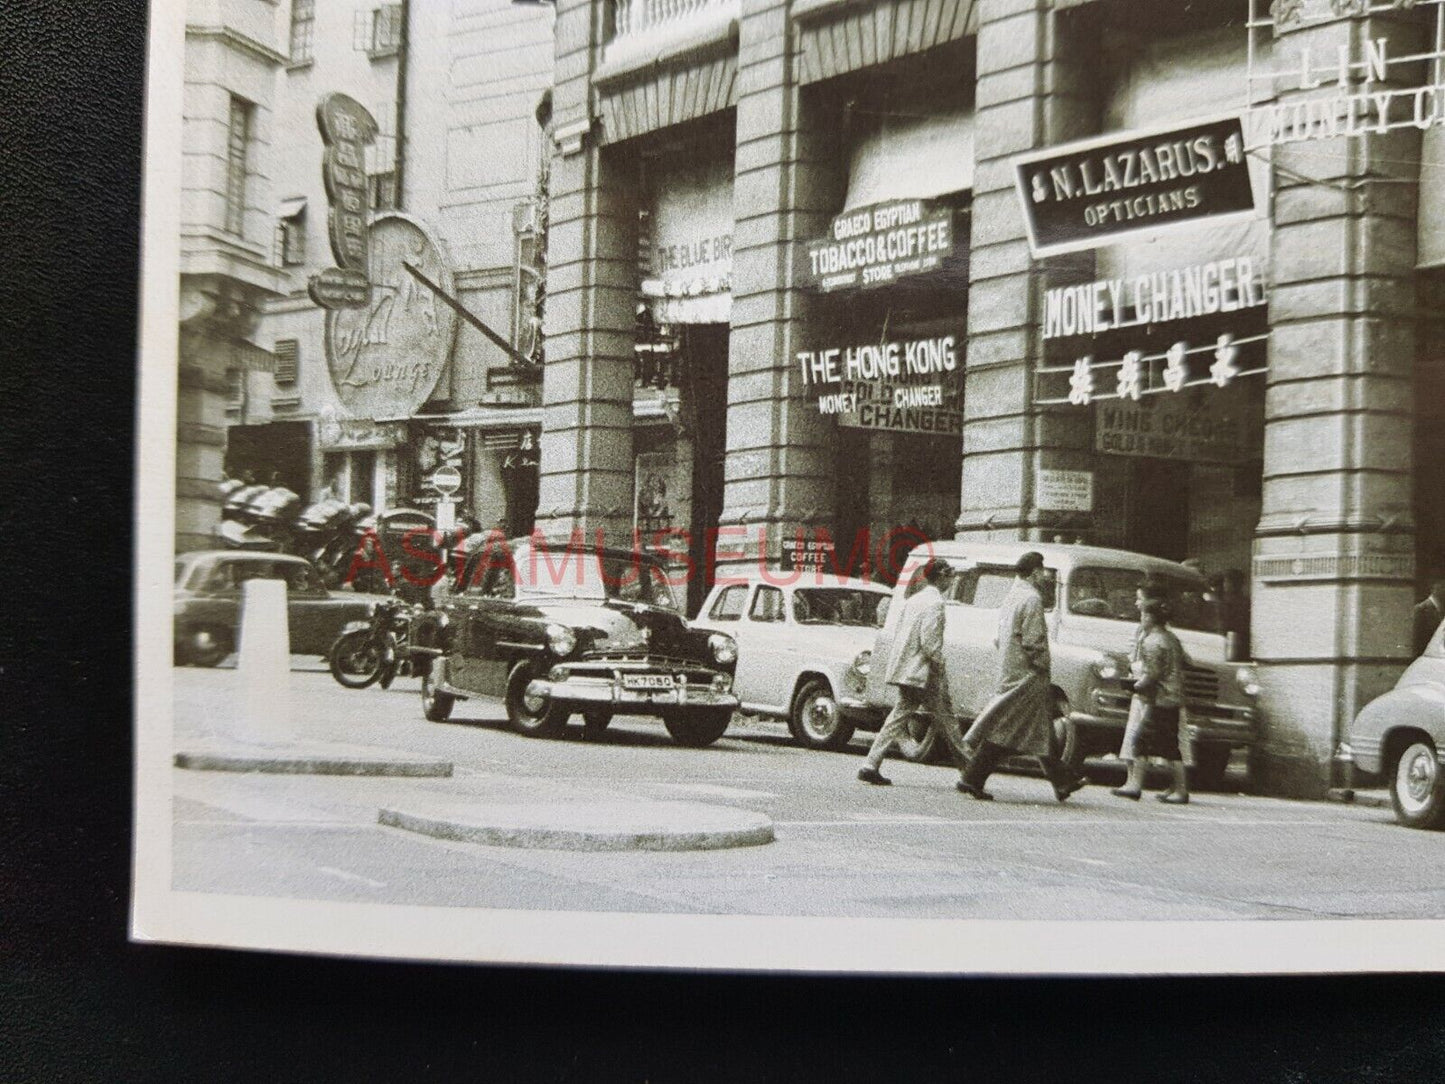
[(915, 668), (1018, 721)]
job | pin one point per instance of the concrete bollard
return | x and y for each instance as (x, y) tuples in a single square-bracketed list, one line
[(263, 665)]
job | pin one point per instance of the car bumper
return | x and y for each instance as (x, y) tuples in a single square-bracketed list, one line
[(586, 690), (861, 713), (1223, 724)]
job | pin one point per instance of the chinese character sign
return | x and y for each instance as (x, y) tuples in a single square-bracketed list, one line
[(347, 129)]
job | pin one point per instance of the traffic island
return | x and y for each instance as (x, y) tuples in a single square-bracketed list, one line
[(309, 758), (587, 825)]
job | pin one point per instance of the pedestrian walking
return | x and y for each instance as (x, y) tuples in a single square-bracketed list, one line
[(915, 669), (1019, 719), (1158, 696), (1428, 615)]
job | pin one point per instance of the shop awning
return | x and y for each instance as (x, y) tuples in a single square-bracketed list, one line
[(913, 158), (479, 418), (292, 207)]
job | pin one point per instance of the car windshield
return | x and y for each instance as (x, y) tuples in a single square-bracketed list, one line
[(836, 606), (1112, 593), (573, 573)]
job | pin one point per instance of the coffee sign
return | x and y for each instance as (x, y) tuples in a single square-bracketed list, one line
[(1095, 192), (386, 358), (874, 245)]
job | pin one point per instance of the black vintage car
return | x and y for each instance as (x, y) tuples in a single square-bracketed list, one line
[(553, 632)]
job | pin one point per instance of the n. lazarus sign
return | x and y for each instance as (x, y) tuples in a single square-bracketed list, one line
[(1094, 192), (873, 245)]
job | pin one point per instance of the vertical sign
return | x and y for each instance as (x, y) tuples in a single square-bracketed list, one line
[(347, 129)]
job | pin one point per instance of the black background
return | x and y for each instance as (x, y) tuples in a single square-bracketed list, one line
[(77, 1002)]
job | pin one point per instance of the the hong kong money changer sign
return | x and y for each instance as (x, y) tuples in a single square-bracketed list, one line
[(1097, 191), (386, 358), (912, 386)]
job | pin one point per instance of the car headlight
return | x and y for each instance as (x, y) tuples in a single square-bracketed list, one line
[(724, 648), (863, 662), (1248, 678), (1110, 667), (561, 640)]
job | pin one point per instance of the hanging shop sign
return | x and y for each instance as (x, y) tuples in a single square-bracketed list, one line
[(912, 386), (386, 358), (1198, 427), (803, 553), (1203, 289), (1086, 194), (1064, 490), (1350, 90), (874, 245), (347, 129)]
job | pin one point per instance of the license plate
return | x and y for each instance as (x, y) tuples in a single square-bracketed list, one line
[(647, 681)]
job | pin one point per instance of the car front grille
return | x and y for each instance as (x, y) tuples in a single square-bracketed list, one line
[(1201, 685)]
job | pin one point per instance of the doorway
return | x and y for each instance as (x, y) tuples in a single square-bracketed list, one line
[(704, 349), (1159, 509)]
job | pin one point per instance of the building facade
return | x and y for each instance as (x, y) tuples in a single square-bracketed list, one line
[(365, 402), (1159, 277)]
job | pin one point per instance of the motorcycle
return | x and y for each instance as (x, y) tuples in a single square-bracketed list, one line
[(374, 651), (327, 534)]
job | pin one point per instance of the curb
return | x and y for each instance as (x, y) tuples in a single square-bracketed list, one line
[(341, 761), (593, 826)]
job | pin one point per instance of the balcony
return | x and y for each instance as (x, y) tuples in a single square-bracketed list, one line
[(653, 29)]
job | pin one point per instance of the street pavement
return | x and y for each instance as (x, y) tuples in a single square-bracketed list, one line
[(916, 849)]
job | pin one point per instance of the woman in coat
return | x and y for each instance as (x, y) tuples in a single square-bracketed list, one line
[(1158, 697)]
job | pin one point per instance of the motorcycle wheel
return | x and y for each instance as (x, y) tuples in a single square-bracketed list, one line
[(355, 660)]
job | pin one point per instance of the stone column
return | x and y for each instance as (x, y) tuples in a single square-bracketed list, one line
[(1334, 550), (1034, 90), (778, 471), (200, 440), (586, 476)]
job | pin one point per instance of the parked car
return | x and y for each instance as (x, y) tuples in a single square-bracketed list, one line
[(805, 641), (1091, 615), (553, 633), (208, 603), (1401, 736)]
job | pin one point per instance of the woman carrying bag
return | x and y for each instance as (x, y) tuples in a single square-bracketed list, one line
[(1153, 728)]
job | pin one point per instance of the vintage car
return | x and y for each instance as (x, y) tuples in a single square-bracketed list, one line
[(1091, 617), (1401, 736), (553, 632), (804, 642), (208, 603)]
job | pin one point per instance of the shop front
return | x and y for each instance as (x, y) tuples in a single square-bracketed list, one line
[(883, 357), (681, 351)]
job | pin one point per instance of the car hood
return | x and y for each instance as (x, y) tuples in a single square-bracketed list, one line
[(614, 626), (1204, 648), (840, 642)]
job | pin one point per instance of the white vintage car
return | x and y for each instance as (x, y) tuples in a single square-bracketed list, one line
[(1401, 736), (804, 641)]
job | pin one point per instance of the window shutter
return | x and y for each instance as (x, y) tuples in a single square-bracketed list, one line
[(288, 360)]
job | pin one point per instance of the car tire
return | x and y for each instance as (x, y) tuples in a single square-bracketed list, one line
[(919, 744), (1210, 764), (214, 646), (435, 704), (1417, 787), (816, 721), (349, 666), (699, 727), (536, 720), (595, 721), (1067, 746)]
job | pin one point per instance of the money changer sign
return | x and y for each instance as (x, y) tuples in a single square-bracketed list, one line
[(908, 386)]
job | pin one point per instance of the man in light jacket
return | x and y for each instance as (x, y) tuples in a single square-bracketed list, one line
[(915, 665), (1018, 721)]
